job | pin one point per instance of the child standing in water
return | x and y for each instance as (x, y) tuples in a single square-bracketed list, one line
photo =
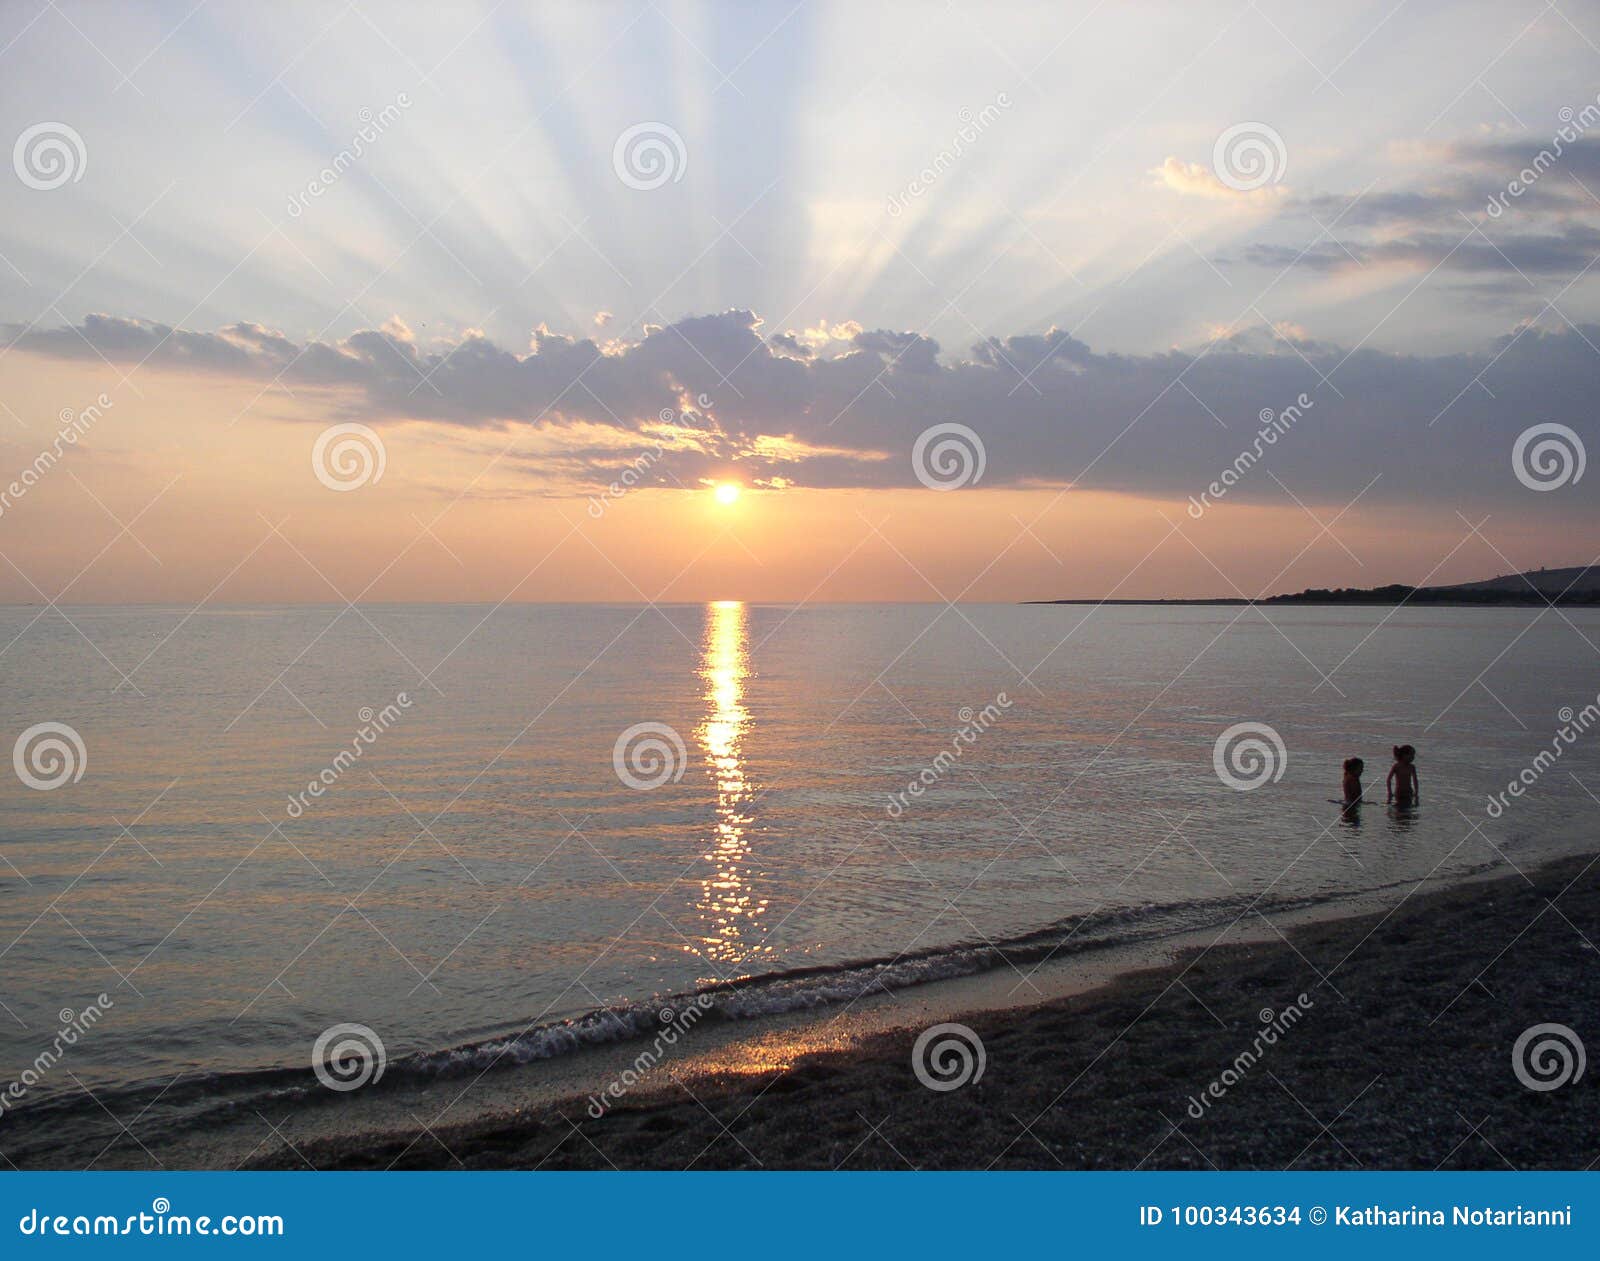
[(1353, 766), (1404, 789)]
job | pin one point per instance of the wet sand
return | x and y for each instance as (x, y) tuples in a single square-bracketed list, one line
[(1400, 1056)]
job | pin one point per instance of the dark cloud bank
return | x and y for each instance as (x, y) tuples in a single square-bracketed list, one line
[(1047, 408)]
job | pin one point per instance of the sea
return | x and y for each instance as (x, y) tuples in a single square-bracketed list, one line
[(255, 857)]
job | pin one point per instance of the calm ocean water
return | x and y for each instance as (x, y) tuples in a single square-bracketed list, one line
[(482, 879)]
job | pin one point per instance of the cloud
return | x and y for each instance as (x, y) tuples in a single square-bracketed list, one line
[(1192, 179), (1507, 208), (1464, 177), (1387, 210), (791, 345), (1544, 155), (717, 397), (822, 334), (398, 329), (1493, 250)]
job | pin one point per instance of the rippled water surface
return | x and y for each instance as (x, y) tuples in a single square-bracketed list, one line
[(485, 864)]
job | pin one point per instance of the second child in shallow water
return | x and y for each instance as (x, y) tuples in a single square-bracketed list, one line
[(1353, 766), (1404, 790)]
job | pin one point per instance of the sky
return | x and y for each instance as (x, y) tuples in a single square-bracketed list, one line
[(485, 301)]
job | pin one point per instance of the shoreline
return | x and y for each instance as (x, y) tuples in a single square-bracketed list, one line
[(1530, 601), (1398, 1056)]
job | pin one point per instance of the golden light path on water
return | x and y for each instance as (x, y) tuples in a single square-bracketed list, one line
[(730, 910)]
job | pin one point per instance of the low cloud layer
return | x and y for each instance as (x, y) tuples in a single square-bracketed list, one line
[(722, 396)]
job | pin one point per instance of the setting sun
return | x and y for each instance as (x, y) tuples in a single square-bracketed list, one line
[(727, 492)]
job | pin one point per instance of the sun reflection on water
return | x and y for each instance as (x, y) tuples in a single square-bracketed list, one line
[(730, 911)]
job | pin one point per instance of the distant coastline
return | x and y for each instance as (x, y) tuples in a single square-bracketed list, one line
[(1572, 587)]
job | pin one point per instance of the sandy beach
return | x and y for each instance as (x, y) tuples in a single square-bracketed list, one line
[(1391, 1046)]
